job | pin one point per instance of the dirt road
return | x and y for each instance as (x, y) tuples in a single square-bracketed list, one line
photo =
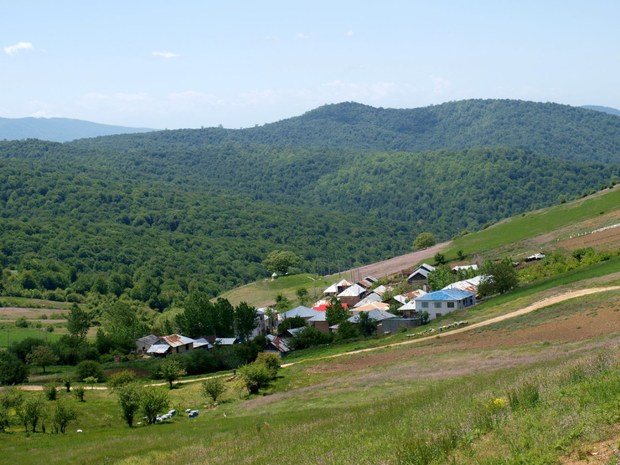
[(394, 265)]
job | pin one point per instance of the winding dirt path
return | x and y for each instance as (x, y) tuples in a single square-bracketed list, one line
[(530, 308)]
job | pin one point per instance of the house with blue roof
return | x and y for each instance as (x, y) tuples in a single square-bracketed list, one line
[(440, 303)]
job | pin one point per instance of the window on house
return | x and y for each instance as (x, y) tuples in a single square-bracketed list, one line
[(424, 304), (437, 304), (437, 315), (450, 304)]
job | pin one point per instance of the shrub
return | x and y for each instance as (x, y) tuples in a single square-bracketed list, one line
[(90, 369), (271, 361), (22, 322), (62, 415), (255, 376), (213, 388), (129, 398), (51, 392), (12, 369), (153, 401), (310, 337), (79, 393), (121, 378), (30, 412)]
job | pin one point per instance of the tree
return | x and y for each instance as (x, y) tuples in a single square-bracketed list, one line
[(214, 388), (129, 398), (90, 369), (424, 317), (12, 369), (302, 295), (440, 259), (335, 313), (440, 277), (198, 317), (62, 415), (78, 322), (366, 325), (31, 411), (42, 356), (122, 326), (279, 261), (499, 278), (423, 241), (291, 323), (171, 370), (153, 401), (245, 320)]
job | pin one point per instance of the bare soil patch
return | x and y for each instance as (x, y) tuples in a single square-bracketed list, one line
[(13, 313), (396, 264), (599, 453)]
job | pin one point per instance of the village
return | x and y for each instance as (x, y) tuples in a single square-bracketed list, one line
[(366, 300)]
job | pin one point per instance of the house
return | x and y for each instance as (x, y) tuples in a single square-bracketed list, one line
[(352, 295), (368, 299), (319, 322), (277, 344), (337, 288), (382, 306), (144, 343), (469, 285), (301, 311), (226, 341), (378, 316), (202, 343), (172, 344), (473, 267), (420, 274), (439, 303)]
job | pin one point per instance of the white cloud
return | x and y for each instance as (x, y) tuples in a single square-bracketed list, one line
[(14, 49), (350, 33), (302, 36), (165, 54)]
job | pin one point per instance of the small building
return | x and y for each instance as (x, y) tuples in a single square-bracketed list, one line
[(172, 344), (337, 288), (319, 322), (370, 298), (439, 303), (144, 343), (301, 311), (352, 295), (420, 274), (226, 341)]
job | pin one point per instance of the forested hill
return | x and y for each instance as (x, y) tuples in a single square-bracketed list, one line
[(58, 129), (157, 215), (552, 129)]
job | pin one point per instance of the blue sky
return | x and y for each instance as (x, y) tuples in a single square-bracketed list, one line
[(189, 63)]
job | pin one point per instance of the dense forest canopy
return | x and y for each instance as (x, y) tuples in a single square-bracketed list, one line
[(157, 215)]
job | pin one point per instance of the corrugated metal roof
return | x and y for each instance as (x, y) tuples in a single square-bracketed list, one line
[(352, 291), (446, 294), (301, 311), (372, 306), (377, 315), (176, 340), (370, 298), (158, 349)]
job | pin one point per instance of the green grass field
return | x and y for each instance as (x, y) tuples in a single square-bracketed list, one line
[(530, 225)]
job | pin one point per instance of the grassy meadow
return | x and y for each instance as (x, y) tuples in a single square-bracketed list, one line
[(442, 401)]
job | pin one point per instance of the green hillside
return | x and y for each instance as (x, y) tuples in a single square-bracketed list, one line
[(156, 215)]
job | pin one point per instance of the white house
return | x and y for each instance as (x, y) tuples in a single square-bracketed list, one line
[(439, 303)]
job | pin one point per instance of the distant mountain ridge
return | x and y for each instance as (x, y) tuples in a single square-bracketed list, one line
[(58, 129), (556, 130), (609, 110)]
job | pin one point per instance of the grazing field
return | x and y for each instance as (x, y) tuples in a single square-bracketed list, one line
[(536, 389)]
